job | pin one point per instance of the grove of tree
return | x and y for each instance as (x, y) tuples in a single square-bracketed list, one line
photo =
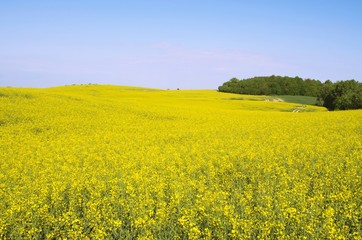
[(341, 95)]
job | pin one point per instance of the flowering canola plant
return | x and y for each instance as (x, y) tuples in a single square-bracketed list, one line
[(95, 162)]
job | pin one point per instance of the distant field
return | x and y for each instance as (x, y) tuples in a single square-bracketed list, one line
[(299, 99), (110, 162)]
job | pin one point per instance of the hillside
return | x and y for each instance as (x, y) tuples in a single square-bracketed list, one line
[(114, 162), (299, 99)]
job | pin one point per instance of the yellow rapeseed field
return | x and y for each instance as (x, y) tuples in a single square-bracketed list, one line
[(108, 162)]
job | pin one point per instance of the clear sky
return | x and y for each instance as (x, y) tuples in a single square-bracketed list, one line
[(186, 44)]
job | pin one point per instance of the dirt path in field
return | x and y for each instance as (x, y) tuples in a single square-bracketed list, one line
[(299, 108), (276, 99), (273, 99)]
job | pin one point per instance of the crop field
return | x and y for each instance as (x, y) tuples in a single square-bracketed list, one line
[(110, 162), (299, 99)]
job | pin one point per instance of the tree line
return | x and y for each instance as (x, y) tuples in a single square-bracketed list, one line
[(341, 95)]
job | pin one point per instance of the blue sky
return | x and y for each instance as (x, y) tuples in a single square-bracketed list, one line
[(177, 44)]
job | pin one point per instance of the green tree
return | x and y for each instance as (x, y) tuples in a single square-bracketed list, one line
[(272, 85), (342, 95)]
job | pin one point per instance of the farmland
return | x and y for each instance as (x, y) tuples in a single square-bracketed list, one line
[(98, 162)]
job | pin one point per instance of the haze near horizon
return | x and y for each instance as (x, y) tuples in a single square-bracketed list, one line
[(178, 44)]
